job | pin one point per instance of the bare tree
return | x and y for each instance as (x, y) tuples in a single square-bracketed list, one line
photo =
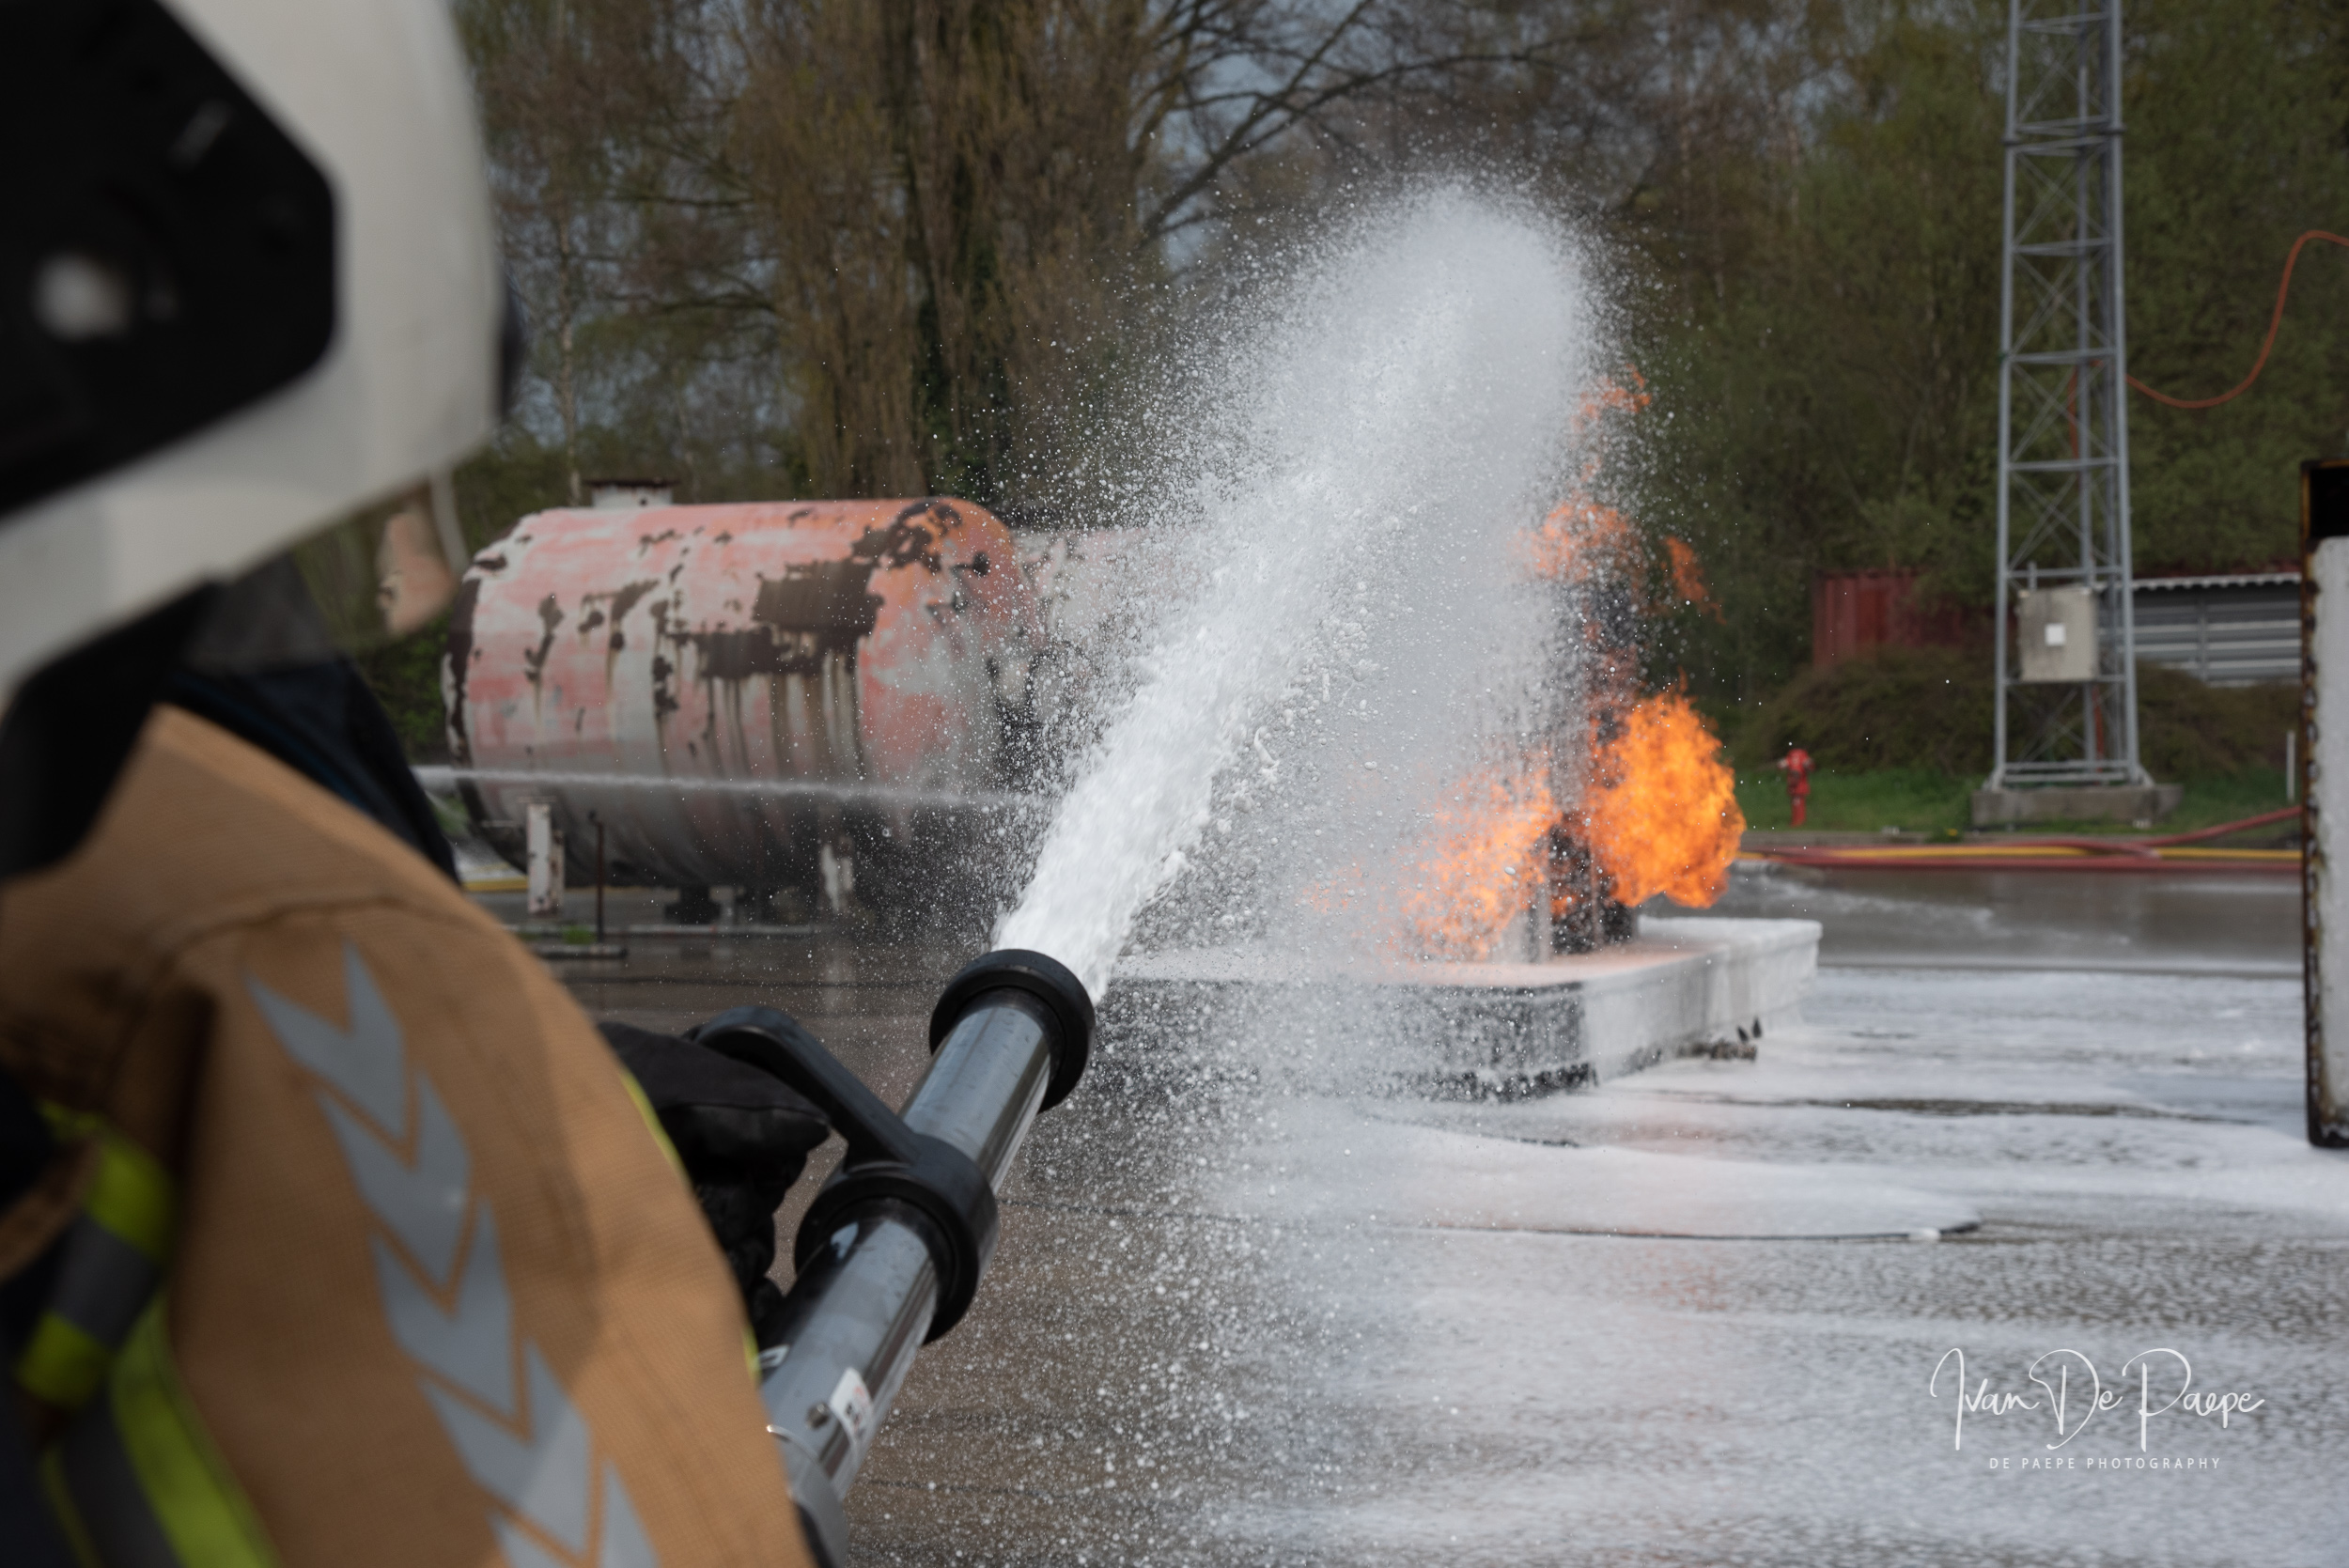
[(936, 217)]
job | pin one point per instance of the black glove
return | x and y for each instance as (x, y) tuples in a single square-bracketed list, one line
[(744, 1137)]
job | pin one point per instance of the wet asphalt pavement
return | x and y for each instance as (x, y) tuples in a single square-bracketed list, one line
[(2057, 1112)]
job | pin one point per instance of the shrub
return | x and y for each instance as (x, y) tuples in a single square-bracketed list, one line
[(1897, 708), (2187, 730)]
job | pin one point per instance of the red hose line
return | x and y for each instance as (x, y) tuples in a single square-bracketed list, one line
[(2279, 815), (1827, 860), (2274, 321)]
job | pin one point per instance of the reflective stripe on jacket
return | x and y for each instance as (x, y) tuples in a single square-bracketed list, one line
[(429, 1293)]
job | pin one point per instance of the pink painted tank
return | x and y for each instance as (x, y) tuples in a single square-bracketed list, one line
[(747, 694)]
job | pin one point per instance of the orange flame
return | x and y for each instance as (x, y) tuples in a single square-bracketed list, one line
[(1487, 859), (1608, 397), (1689, 577), (1661, 813), (1580, 539), (1584, 538)]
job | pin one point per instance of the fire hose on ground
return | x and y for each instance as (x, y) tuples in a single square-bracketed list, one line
[(892, 1247), (2172, 852)]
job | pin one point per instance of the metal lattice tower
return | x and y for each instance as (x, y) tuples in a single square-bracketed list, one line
[(2063, 433)]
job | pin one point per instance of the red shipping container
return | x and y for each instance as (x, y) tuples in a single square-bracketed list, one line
[(1853, 612)]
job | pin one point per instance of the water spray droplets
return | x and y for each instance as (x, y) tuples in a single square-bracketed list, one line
[(1406, 391)]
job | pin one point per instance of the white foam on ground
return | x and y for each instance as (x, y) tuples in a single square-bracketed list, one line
[(2131, 1145), (1330, 1162)]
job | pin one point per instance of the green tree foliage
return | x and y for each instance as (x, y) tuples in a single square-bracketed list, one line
[(2238, 143), (871, 247), (1832, 386), (1831, 398), (2188, 730), (406, 675)]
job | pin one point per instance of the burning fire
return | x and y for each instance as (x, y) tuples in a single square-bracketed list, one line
[(1580, 540), (1661, 814), (1491, 852), (1612, 396), (1583, 538), (1689, 578)]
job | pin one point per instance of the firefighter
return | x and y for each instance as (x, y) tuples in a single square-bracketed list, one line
[(331, 1232), (1796, 765)]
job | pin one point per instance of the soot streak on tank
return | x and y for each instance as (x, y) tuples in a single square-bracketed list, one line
[(534, 661), (622, 602), (813, 613), (455, 667), (832, 599), (736, 655), (816, 615), (664, 700), (910, 538)]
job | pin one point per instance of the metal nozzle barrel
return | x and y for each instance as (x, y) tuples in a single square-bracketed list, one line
[(893, 1249)]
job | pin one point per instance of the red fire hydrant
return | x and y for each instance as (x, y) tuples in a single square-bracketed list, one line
[(1796, 765)]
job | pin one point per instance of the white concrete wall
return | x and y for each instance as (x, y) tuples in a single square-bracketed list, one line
[(2328, 831)]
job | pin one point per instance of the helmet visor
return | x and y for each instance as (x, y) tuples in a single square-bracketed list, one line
[(380, 574)]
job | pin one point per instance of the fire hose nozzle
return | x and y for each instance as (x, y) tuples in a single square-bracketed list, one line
[(894, 1244), (1036, 974)]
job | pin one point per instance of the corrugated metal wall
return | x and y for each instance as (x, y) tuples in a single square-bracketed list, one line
[(2225, 631)]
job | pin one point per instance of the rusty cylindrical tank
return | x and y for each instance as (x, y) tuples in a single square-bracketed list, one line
[(757, 695)]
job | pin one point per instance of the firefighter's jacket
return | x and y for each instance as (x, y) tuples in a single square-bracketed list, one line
[(369, 1255)]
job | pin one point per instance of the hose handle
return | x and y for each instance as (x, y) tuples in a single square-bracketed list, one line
[(887, 1164)]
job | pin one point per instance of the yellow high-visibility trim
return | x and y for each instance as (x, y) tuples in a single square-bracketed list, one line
[(66, 1125), (132, 1196), (652, 1122), (62, 1365), (195, 1498)]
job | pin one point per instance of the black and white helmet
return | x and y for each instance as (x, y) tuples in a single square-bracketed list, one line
[(249, 281)]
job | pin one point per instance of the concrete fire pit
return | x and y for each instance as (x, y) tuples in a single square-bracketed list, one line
[(1680, 987)]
